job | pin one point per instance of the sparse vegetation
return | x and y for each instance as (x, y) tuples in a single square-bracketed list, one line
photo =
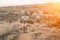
[(38, 23)]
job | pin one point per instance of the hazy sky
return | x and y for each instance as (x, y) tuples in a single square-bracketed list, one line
[(23, 2)]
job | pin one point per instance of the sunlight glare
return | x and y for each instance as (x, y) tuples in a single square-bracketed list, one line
[(56, 0)]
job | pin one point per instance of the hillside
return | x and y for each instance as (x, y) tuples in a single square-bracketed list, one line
[(30, 22)]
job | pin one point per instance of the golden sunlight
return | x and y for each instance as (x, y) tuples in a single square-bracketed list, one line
[(56, 0)]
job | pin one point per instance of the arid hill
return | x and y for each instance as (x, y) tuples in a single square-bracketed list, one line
[(30, 22)]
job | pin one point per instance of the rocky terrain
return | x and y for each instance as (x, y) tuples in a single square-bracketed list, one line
[(15, 32), (30, 22)]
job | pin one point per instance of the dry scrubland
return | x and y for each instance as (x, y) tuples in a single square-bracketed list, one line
[(46, 27), (14, 32)]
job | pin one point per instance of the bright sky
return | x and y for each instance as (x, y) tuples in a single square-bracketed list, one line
[(23, 2)]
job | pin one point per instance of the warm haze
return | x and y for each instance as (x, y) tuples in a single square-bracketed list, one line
[(29, 19), (24, 2)]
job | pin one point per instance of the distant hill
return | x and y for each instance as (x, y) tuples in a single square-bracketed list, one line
[(49, 7)]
